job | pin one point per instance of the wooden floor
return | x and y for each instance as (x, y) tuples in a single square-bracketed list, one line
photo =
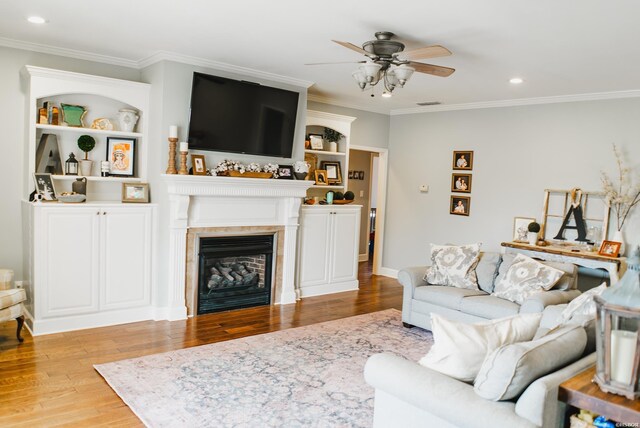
[(50, 381)]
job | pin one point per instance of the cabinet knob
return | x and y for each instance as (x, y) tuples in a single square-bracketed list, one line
[(104, 213), (98, 213)]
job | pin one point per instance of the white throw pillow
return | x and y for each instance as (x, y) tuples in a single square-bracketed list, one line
[(583, 305), (460, 348), (454, 266), (524, 278)]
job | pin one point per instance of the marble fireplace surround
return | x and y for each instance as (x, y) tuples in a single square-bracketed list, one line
[(218, 206)]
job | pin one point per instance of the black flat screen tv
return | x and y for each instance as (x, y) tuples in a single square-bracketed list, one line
[(241, 117)]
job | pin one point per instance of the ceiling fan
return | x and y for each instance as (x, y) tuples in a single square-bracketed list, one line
[(387, 61)]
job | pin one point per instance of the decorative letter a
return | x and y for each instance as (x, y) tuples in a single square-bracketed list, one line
[(580, 226)]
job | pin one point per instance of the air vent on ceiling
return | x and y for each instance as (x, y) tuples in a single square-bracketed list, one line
[(429, 103)]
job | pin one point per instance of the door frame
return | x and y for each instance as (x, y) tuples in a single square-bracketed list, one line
[(383, 165)]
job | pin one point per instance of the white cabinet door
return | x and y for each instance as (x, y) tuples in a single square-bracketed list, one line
[(69, 273), (126, 257), (314, 244), (344, 245)]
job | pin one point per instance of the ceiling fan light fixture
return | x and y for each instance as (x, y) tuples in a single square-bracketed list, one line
[(403, 73), (360, 78), (386, 94), (516, 80), (371, 70), (36, 20)]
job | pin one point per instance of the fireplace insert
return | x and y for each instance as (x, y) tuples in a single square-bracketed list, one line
[(234, 272)]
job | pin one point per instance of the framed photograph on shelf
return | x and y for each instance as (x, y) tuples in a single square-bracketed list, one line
[(350, 175), (610, 248), (285, 172), (121, 156), (135, 192), (44, 187), (199, 165), (317, 142), (321, 177), (463, 160), (333, 168), (460, 205), (360, 175), (521, 228), (461, 183)]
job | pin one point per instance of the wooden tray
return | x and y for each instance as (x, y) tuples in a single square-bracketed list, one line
[(250, 174), (342, 202)]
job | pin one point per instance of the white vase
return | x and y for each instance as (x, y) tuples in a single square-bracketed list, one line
[(85, 167), (618, 237), (128, 119), (533, 238), (333, 146)]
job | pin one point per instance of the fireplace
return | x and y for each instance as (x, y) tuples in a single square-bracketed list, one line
[(234, 272)]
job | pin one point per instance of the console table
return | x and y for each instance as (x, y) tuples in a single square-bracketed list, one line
[(615, 266), (582, 393)]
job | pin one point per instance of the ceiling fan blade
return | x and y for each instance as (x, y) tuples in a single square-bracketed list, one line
[(434, 51), (340, 62), (352, 47), (436, 70)]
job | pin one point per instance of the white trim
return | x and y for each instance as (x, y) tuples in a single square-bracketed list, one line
[(340, 103), (90, 320), (319, 290), (363, 257), (69, 53), (391, 273), (202, 62), (635, 93), (316, 114), (383, 168)]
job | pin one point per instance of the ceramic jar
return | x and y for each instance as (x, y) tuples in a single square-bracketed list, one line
[(127, 119)]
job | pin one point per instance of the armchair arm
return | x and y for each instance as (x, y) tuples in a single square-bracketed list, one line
[(539, 301), (411, 277)]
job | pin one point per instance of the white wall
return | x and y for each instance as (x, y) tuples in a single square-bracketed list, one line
[(519, 152), (13, 108)]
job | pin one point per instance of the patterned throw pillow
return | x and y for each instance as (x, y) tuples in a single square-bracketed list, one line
[(454, 266), (583, 305), (524, 278)]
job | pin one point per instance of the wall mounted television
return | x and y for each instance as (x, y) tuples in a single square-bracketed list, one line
[(241, 117)]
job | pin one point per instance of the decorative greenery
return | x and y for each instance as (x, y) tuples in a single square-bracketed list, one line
[(349, 196), (86, 143), (533, 227), (332, 134), (621, 198)]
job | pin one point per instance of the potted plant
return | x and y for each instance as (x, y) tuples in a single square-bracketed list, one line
[(332, 136), (532, 236), (86, 143), (300, 170)]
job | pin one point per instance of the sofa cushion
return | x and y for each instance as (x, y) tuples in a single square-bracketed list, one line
[(568, 281), (449, 297), (524, 278), (487, 269), (489, 307), (583, 305), (510, 369), (460, 348), (453, 265), (11, 297)]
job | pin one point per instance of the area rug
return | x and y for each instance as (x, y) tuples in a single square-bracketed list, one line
[(301, 377)]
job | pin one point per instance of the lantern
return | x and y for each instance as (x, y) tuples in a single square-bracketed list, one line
[(617, 328), (71, 165)]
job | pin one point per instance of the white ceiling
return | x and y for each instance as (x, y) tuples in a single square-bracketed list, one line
[(560, 47)]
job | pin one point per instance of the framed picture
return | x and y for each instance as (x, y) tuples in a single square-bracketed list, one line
[(460, 205), (44, 187), (321, 177), (521, 228), (610, 248), (461, 183), (317, 142), (285, 172), (199, 165), (121, 156), (360, 175), (334, 171), (350, 175), (135, 192), (463, 160)]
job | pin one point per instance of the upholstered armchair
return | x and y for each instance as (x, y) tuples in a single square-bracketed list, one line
[(11, 307)]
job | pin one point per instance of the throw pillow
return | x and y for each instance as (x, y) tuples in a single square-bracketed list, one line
[(460, 348), (583, 305), (524, 278), (454, 266), (510, 369)]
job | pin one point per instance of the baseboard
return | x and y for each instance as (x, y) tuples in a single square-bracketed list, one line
[(363, 257), (319, 290), (84, 321), (391, 273), (169, 313)]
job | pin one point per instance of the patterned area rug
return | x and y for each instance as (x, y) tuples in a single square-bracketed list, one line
[(302, 377)]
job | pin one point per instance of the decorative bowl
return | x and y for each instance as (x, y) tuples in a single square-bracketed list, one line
[(72, 199), (342, 202)]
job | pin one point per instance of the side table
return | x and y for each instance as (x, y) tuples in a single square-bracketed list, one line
[(582, 393)]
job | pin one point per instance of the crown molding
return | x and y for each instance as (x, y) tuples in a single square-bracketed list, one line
[(330, 116), (69, 53), (340, 103), (202, 62), (520, 102)]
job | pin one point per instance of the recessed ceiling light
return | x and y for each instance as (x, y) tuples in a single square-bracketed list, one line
[(516, 80), (36, 20)]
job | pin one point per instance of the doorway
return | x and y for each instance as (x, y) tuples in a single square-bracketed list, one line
[(368, 182)]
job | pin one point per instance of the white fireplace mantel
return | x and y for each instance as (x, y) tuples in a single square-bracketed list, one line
[(204, 201)]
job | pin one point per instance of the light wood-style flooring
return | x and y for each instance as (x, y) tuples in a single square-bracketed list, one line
[(50, 381)]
